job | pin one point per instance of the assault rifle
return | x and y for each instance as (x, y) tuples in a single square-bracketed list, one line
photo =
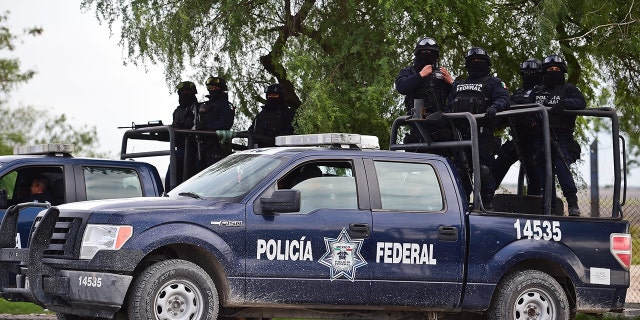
[(153, 123)]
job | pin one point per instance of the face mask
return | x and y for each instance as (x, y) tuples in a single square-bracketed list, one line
[(186, 100), (531, 80), (478, 68), (424, 59), (553, 78), (216, 94)]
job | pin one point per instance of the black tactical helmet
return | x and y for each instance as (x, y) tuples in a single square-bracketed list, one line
[(531, 65), (275, 88), (427, 43), (477, 53), (554, 60), (186, 87), (216, 82)]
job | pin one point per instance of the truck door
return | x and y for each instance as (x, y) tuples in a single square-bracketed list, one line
[(417, 245), (314, 255)]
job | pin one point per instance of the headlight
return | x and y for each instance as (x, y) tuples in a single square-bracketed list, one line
[(103, 237)]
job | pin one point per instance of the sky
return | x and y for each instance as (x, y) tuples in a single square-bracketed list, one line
[(81, 73)]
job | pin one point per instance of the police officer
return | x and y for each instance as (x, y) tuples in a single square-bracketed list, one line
[(523, 131), (215, 114), (275, 118), (183, 118), (425, 80), (556, 93), (480, 93)]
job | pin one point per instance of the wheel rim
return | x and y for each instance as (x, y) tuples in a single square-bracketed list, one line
[(179, 299), (534, 305)]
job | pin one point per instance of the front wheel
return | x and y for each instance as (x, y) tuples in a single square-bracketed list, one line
[(172, 290), (529, 295)]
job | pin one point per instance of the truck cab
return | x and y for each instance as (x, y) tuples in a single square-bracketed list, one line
[(71, 179)]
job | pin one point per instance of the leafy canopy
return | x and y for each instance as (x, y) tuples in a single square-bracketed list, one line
[(340, 58)]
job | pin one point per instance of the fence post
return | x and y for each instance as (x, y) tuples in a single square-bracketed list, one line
[(595, 192)]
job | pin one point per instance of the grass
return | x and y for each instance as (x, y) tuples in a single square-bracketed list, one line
[(30, 308), (19, 307)]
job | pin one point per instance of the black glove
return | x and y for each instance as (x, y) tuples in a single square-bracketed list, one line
[(491, 112), (558, 107)]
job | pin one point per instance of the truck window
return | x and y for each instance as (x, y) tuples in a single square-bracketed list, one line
[(17, 184), (409, 186), (323, 185), (8, 183), (109, 183)]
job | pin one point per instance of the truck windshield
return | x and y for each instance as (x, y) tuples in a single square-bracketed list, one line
[(232, 177)]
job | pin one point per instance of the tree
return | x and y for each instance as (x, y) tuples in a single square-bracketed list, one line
[(28, 125), (10, 73), (340, 58)]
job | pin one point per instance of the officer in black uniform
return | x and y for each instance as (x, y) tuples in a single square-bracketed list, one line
[(215, 114), (183, 118), (425, 80), (556, 93), (275, 118), (480, 93), (523, 129)]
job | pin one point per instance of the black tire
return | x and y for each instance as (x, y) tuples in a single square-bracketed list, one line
[(173, 289), (530, 295)]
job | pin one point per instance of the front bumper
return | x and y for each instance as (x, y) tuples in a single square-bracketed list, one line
[(49, 282)]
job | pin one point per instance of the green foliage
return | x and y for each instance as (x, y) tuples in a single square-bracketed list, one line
[(29, 125), (10, 72), (9, 307), (340, 58)]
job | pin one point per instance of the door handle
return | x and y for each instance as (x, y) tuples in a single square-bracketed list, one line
[(446, 233), (359, 230)]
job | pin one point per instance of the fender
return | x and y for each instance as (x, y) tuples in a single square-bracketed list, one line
[(186, 233)]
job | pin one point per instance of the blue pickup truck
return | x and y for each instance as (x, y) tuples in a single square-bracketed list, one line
[(71, 179), (323, 226)]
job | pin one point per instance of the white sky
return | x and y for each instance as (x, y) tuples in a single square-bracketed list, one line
[(80, 73)]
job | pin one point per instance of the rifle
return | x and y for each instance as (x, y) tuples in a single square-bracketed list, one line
[(153, 123)]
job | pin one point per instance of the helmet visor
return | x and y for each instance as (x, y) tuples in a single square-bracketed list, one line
[(553, 59), (427, 42), (477, 51), (530, 65)]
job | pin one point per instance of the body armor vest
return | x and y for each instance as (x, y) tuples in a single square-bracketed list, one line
[(470, 96)]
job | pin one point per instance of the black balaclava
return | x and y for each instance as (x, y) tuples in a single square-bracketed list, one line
[(553, 78), (216, 94), (530, 79), (185, 100), (478, 68), (423, 58), (274, 102)]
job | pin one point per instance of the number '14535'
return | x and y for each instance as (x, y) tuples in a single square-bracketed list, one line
[(538, 229)]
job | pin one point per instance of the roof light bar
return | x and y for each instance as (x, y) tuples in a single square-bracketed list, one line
[(44, 149), (329, 139)]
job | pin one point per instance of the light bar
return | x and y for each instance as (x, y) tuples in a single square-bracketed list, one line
[(324, 139), (44, 149)]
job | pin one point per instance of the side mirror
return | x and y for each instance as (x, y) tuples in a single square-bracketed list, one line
[(281, 201), (3, 199)]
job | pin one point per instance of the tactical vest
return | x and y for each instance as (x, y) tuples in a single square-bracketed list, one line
[(471, 96), (434, 92), (549, 98), (268, 123), (521, 96)]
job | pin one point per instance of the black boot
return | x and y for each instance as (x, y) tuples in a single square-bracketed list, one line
[(487, 202), (572, 203)]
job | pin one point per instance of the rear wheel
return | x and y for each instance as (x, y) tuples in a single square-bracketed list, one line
[(529, 295), (171, 290)]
